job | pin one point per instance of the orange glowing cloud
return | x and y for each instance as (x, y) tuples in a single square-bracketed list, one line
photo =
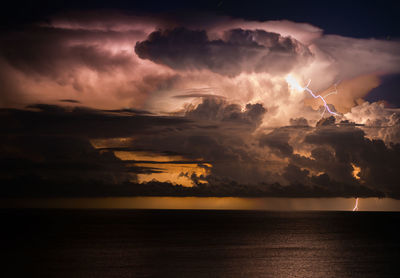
[(175, 173), (167, 168)]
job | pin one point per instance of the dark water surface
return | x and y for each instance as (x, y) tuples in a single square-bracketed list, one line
[(190, 243)]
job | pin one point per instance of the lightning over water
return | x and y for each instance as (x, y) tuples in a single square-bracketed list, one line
[(356, 205)]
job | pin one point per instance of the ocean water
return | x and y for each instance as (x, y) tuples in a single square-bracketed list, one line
[(198, 243)]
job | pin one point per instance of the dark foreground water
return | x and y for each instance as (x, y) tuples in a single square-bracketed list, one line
[(165, 243)]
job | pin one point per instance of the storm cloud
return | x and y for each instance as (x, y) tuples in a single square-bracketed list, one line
[(236, 52), (43, 143), (134, 105)]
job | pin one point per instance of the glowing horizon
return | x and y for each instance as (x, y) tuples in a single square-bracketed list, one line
[(212, 203)]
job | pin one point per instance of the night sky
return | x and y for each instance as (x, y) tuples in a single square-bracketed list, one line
[(208, 98)]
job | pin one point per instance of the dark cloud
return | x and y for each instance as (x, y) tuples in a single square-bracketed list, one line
[(205, 92), (335, 153), (299, 122), (198, 95), (277, 141), (326, 121), (83, 121), (294, 174), (43, 165), (58, 156), (69, 100), (350, 146), (239, 51), (130, 111), (218, 109), (46, 151), (221, 135)]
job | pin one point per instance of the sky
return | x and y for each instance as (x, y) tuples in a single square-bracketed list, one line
[(200, 99)]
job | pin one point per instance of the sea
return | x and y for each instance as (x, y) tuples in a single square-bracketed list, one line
[(198, 243)]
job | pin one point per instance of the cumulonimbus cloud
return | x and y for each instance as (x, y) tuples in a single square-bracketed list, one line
[(225, 81)]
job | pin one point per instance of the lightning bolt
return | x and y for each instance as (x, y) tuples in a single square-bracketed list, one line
[(321, 97), (293, 82), (356, 205), (331, 93)]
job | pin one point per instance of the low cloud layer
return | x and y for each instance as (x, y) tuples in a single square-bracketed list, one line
[(288, 161)]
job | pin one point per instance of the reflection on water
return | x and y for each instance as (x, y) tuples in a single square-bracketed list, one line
[(199, 243)]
